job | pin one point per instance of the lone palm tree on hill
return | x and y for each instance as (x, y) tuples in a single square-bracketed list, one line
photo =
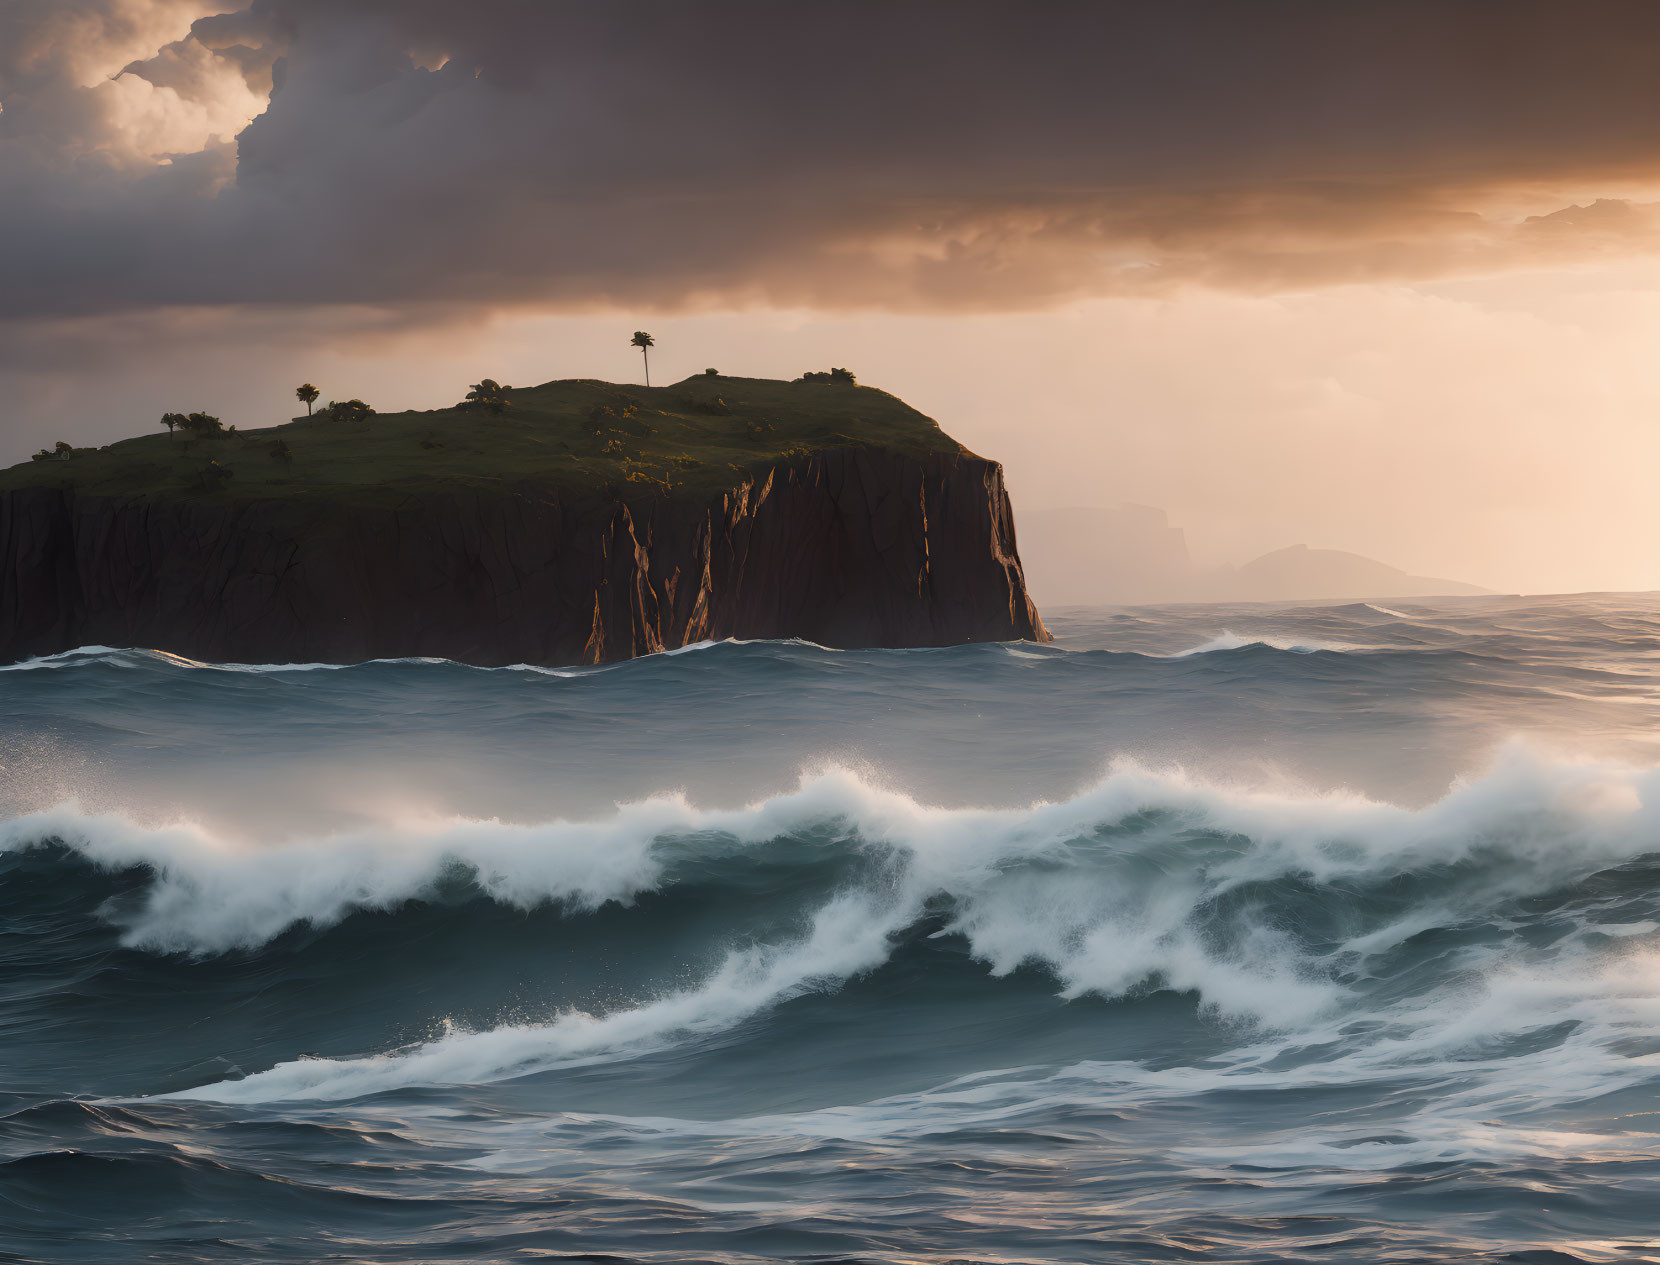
[(307, 395), (643, 340)]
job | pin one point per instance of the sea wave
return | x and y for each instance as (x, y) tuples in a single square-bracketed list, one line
[(1533, 819), (1273, 908), (136, 657), (1227, 640), (132, 657), (1505, 1037), (1458, 1126)]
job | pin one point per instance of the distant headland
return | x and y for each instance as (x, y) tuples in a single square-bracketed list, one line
[(574, 522)]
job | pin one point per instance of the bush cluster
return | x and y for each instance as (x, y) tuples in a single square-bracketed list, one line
[(838, 377), (347, 411), (488, 394), (616, 426), (197, 424), (214, 476)]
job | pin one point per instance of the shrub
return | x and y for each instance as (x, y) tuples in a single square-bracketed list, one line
[(214, 476), (202, 424), (837, 377), (488, 394), (278, 450), (603, 421), (711, 373), (348, 411)]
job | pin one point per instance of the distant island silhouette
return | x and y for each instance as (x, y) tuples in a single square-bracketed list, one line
[(1130, 555)]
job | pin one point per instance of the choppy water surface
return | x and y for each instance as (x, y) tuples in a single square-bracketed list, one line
[(1208, 933)]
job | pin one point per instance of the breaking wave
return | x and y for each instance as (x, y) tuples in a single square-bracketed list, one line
[(1274, 909), (461, 963)]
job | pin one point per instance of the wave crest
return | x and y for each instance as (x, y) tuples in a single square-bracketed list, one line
[(1537, 820), (1264, 904), (1227, 640)]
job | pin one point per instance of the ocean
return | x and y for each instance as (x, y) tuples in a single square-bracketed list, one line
[(1207, 933)]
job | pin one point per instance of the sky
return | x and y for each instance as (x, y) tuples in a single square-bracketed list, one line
[(1382, 277)]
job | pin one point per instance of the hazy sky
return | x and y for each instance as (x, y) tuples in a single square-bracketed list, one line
[(1372, 276)]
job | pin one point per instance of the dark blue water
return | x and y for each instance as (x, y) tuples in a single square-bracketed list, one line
[(1206, 934)]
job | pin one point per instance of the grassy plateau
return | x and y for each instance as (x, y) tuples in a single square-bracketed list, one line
[(577, 436)]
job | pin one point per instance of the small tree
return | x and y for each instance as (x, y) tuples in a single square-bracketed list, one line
[(348, 411), (307, 395), (202, 424), (644, 342), (488, 394), (172, 421)]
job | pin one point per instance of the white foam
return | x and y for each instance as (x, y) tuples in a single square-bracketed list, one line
[(66, 659), (1545, 819), (1227, 640), (119, 657), (115, 656), (1453, 1123), (210, 894), (848, 935), (1106, 891)]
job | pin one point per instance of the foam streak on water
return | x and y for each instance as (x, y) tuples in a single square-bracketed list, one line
[(1227, 934)]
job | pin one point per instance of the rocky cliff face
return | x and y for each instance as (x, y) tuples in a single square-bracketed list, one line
[(846, 547)]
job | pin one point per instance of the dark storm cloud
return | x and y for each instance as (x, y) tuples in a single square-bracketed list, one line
[(907, 155)]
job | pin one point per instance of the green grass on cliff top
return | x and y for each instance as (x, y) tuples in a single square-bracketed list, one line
[(543, 439)]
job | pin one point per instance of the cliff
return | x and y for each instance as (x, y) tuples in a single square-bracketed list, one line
[(553, 533)]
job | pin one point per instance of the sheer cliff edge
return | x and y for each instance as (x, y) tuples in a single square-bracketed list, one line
[(582, 523)]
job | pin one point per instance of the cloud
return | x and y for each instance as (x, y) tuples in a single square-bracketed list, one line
[(923, 156)]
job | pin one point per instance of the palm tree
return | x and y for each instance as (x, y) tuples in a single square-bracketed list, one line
[(643, 340), (307, 395)]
